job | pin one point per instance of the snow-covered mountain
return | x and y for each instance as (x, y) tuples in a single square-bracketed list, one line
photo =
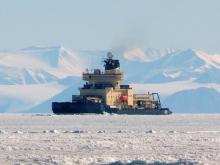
[(31, 78), (147, 55), (177, 66), (38, 65)]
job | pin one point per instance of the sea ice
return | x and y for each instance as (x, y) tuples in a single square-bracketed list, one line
[(109, 139)]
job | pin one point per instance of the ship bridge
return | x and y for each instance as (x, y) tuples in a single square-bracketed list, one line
[(112, 74), (98, 77)]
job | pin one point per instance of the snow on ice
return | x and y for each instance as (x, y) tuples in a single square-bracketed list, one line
[(109, 139)]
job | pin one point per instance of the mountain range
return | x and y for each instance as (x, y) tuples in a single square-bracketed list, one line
[(31, 78)]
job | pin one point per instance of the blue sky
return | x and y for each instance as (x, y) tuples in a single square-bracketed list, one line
[(110, 24)]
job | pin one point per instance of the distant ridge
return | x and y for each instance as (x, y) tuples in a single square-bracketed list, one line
[(201, 100)]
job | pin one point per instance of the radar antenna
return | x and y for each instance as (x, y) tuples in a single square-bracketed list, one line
[(110, 55)]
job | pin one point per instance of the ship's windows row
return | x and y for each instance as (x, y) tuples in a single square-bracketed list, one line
[(97, 86)]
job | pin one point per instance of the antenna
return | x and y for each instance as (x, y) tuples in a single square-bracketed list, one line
[(91, 62), (110, 55)]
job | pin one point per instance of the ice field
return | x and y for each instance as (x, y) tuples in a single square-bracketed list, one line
[(104, 139)]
